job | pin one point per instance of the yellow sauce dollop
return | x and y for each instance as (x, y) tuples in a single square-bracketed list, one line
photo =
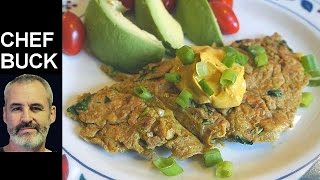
[(222, 97)]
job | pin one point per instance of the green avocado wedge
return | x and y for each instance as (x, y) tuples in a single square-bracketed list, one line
[(116, 41), (152, 16), (198, 22)]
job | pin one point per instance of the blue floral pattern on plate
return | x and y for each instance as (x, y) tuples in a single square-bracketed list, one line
[(307, 5)]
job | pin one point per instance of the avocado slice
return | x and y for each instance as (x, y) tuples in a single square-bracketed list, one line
[(116, 41), (198, 22), (152, 16)]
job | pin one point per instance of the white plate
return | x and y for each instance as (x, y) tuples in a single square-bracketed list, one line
[(298, 147)]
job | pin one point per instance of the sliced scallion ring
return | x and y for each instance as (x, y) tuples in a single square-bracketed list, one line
[(201, 69), (182, 103), (172, 77), (142, 92), (186, 55), (184, 99), (185, 95), (241, 59), (212, 157), (256, 49), (314, 83), (229, 57), (309, 62), (232, 55), (224, 169), (228, 60), (315, 73), (261, 59), (168, 166), (229, 50), (260, 54), (228, 77), (205, 87), (306, 99)]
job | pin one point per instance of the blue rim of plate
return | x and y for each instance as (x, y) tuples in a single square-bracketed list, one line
[(282, 177), (84, 165)]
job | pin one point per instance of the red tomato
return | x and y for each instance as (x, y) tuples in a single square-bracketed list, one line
[(73, 33), (228, 2), (65, 167), (226, 18), (169, 4), (129, 4)]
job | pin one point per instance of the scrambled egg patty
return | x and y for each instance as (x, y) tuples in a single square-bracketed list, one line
[(117, 120)]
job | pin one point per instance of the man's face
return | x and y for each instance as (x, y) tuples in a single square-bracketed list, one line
[(27, 113)]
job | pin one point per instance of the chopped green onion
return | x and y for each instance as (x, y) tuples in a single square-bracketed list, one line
[(172, 77), (315, 73), (184, 99), (306, 99), (142, 92), (224, 169), (232, 55), (261, 60), (206, 87), (229, 50), (260, 54), (275, 93), (182, 103), (201, 69), (168, 166), (228, 77), (242, 59), (314, 83), (309, 62), (186, 55), (228, 60), (256, 50), (212, 157), (229, 56), (185, 95)]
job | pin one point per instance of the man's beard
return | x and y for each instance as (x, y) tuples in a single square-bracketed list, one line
[(29, 140)]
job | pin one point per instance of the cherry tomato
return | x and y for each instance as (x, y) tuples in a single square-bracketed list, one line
[(169, 4), (129, 4), (228, 2), (65, 167), (73, 33), (226, 18)]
